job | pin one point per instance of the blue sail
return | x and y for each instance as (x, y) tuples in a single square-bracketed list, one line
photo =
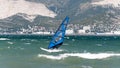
[(58, 37)]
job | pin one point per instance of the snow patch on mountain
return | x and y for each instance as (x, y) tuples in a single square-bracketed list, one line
[(12, 7), (28, 17), (114, 3)]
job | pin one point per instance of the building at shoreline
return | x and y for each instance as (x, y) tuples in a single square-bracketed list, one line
[(72, 29)]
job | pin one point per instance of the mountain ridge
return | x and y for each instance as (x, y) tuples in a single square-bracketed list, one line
[(84, 12)]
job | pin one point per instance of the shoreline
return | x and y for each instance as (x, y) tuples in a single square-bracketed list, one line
[(65, 35), (73, 37)]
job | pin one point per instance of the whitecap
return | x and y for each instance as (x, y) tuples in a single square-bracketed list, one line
[(79, 55), (99, 44), (83, 66), (65, 44), (4, 39), (28, 43), (8, 47), (22, 48), (73, 39), (51, 50), (23, 39), (33, 40), (67, 37), (10, 42)]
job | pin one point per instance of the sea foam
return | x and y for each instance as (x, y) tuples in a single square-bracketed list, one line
[(4, 39), (50, 50), (10, 42), (79, 55)]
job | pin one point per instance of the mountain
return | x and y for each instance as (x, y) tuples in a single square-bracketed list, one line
[(49, 13), (112, 3), (11, 7)]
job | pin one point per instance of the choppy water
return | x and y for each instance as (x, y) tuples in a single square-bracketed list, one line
[(76, 52)]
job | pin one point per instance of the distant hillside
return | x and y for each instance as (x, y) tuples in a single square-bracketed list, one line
[(85, 12)]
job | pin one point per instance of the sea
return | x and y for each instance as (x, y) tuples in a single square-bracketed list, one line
[(30, 51)]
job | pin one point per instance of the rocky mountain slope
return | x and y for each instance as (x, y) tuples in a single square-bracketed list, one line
[(49, 13)]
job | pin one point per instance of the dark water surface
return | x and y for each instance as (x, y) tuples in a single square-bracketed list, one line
[(29, 51)]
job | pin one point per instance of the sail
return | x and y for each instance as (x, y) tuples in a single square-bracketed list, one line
[(58, 37)]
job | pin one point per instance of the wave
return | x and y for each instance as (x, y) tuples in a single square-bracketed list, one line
[(4, 39), (80, 55), (99, 44), (27, 43), (50, 51), (10, 42), (65, 44)]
